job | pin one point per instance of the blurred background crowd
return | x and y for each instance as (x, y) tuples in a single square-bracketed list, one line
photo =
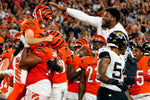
[(135, 19)]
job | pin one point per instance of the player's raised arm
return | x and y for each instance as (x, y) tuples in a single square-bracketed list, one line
[(92, 20)]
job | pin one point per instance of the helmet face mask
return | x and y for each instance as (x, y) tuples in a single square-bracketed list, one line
[(118, 40)]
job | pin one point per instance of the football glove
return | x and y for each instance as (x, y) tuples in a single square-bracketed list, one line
[(52, 64), (9, 72), (121, 85)]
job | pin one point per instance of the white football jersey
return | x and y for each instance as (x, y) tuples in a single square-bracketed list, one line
[(115, 68)]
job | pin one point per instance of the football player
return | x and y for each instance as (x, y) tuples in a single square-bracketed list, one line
[(59, 79), (98, 42), (21, 73), (140, 90), (105, 25), (7, 66), (130, 66), (89, 85), (7, 72), (39, 79), (73, 69), (110, 68), (33, 28)]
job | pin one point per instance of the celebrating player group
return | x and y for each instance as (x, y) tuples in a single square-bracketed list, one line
[(42, 66)]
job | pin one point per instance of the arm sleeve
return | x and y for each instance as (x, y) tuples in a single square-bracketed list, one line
[(92, 20)]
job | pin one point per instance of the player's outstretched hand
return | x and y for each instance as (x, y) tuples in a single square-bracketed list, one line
[(58, 6)]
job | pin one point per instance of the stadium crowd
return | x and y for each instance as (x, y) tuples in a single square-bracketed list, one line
[(135, 18), (72, 78)]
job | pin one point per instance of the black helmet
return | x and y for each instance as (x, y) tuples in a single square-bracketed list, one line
[(146, 46), (117, 39), (132, 44)]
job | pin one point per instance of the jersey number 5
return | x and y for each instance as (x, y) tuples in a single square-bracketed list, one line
[(141, 77), (117, 71)]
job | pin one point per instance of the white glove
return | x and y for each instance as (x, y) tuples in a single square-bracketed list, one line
[(9, 72), (22, 38)]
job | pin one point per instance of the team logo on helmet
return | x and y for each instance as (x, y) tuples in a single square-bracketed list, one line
[(146, 46), (132, 44), (117, 39)]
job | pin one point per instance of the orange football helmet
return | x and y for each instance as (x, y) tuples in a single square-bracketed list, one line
[(58, 40), (42, 12), (99, 38), (16, 36), (81, 42)]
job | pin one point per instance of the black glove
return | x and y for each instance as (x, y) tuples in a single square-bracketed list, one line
[(52, 64), (121, 85)]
